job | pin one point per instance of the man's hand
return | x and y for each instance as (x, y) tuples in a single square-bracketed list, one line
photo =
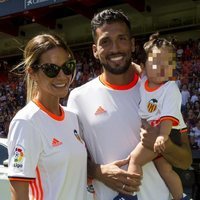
[(173, 153), (148, 137), (118, 179), (137, 68)]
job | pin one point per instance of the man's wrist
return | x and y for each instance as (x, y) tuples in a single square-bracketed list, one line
[(97, 171), (94, 170)]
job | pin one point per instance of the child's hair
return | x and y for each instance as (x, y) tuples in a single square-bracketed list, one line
[(156, 41)]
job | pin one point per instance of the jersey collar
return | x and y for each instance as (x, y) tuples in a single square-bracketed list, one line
[(120, 87), (52, 115), (150, 89)]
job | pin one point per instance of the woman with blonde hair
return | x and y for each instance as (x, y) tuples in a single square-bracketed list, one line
[(47, 157)]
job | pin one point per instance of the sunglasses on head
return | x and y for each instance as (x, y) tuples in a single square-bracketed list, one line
[(52, 70)]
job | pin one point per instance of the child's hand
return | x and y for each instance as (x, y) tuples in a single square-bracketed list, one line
[(145, 124), (159, 145)]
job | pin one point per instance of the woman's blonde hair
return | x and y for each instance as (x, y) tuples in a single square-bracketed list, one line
[(31, 57)]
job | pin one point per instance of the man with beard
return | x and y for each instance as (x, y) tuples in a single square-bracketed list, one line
[(107, 108)]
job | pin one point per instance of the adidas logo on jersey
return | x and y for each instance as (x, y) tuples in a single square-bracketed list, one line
[(55, 142), (100, 110)]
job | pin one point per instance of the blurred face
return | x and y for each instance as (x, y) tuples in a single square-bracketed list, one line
[(113, 47), (184, 87), (56, 87), (197, 105), (190, 113), (160, 65)]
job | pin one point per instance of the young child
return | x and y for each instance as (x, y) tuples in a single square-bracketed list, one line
[(160, 107)]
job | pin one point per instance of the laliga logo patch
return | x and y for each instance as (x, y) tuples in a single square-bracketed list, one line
[(152, 105), (18, 157), (77, 136)]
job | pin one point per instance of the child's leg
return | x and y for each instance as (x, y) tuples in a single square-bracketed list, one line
[(171, 178), (139, 157)]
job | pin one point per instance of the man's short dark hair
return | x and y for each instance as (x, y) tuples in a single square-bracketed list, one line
[(108, 16)]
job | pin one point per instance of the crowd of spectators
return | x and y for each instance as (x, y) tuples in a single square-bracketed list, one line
[(188, 80), (12, 97), (12, 86)]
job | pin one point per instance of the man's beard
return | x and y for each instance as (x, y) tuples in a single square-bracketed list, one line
[(117, 69)]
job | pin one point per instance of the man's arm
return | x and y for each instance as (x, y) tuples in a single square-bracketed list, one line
[(114, 177), (178, 156)]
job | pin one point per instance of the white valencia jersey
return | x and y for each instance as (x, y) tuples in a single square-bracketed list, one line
[(111, 124), (162, 103), (47, 151)]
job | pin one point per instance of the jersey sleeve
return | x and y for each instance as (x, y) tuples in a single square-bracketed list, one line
[(24, 148), (71, 103), (72, 106), (171, 107)]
